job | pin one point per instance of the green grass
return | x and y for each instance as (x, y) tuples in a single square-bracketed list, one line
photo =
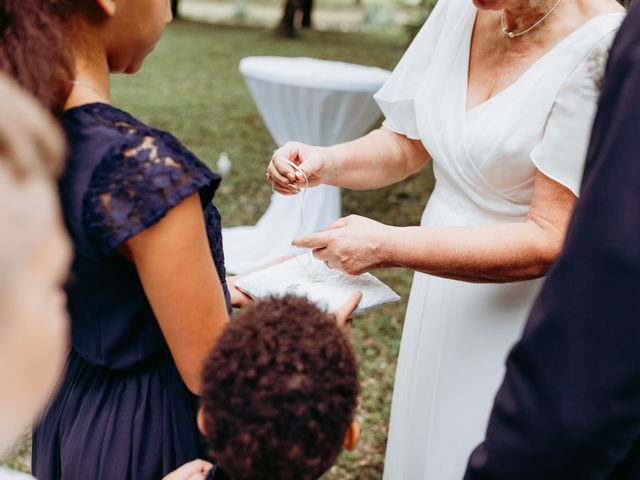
[(191, 86)]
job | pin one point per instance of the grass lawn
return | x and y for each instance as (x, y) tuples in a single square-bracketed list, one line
[(192, 87)]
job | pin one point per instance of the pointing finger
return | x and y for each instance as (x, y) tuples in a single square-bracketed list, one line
[(315, 241)]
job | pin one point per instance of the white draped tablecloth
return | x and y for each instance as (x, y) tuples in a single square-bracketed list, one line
[(308, 100)]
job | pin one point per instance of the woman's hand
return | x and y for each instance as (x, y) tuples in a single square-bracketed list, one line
[(376, 160), (318, 163), (195, 470), (353, 244)]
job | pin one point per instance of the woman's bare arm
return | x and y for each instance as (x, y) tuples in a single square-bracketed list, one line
[(376, 160), (493, 253), (180, 280)]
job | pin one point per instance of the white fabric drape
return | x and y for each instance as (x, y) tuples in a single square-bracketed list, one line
[(313, 101)]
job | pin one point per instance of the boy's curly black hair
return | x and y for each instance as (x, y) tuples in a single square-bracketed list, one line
[(279, 392)]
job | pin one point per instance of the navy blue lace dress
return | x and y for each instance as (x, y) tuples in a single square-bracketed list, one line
[(123, 411)]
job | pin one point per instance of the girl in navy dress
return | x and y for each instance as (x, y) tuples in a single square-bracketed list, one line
[(35, 255), (147, 293)]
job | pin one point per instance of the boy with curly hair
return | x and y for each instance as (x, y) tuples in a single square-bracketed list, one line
[(280, 390)]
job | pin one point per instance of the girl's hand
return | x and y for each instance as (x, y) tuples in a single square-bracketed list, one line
[(318, 163), (239, 299), (353, 244), (343, 314), (195, 470)]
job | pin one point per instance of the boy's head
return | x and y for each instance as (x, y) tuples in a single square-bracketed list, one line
[(280, 391)]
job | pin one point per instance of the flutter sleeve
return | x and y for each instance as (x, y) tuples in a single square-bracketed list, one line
[(136, 183), (561, 153), (396, 97)]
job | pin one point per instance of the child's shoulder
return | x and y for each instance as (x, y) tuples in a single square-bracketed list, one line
[(108, 125), (105, 139), (123, 176)]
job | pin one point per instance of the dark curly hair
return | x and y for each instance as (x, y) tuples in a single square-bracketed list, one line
[(35, 50), (279, 392)]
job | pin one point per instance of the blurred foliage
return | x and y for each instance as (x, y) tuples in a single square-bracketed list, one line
[(378, 16)]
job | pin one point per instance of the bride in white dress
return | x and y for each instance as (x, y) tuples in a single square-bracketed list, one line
[(505, 112)]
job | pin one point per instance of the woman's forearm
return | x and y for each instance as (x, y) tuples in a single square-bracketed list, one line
[(487, 254), (491, 253), (376, 160)]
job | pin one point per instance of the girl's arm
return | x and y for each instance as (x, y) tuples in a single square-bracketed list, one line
[(180, 280)]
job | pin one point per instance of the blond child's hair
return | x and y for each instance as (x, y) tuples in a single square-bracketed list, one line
[(31, 148)]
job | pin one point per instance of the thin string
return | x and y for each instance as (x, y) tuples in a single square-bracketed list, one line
[(315, 274), (304, 193)]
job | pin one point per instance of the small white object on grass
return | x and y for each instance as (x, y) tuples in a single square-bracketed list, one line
[(224, 164)]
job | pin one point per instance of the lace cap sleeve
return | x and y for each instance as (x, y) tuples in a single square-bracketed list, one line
[(561, 153), (136, 183)]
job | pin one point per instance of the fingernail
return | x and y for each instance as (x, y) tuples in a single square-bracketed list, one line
[(299, 175), (293, 188), (291, 177)]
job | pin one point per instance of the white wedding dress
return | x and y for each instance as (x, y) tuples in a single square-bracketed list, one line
[(457, 335)]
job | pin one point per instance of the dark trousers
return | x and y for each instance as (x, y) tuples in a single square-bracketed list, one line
[(290, 10)]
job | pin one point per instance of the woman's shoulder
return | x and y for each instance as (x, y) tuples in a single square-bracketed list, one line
[(590, 47), (581, 56), (597, 29), (608, 21)]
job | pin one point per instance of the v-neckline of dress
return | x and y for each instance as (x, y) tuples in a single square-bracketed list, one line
[(524, 74)]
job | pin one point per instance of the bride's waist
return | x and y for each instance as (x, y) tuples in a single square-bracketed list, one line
[(447, 206)]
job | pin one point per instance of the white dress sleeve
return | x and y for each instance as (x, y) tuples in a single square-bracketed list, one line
[(561, 153), (11, 475), (396, 97)]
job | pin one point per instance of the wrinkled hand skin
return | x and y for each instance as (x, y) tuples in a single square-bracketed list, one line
[(353, 244)]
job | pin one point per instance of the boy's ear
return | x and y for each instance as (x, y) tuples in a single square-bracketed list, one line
[(107, 6), (200, 420), (352, 437)]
